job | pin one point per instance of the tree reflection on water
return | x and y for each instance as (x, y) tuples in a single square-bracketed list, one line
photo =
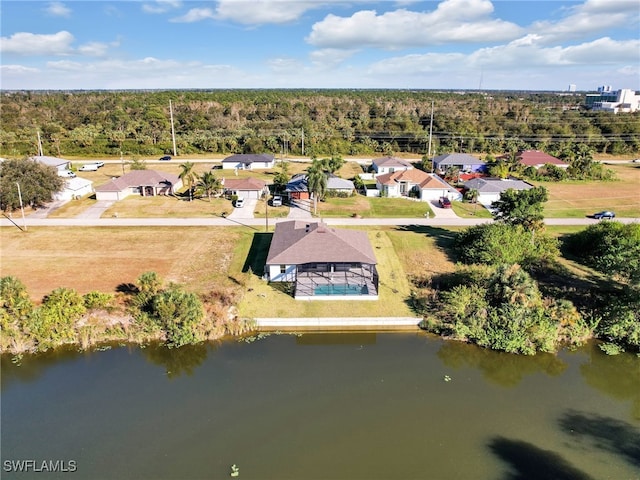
[(504, 369), (177, 361)]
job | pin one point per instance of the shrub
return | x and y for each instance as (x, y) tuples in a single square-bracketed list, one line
[(498, 243)]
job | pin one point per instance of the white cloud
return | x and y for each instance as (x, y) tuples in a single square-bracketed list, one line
[(453, 21), (58, 9), (509, 58), (195, 15), (330, 57), (93, 49), (591, 17), (17, 70), (24, 43), (259, 12), (161, 6)]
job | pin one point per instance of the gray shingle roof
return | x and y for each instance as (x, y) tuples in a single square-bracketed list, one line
[(496, 185), (249, 158), (457, 159), (298, 242), (137, 178)]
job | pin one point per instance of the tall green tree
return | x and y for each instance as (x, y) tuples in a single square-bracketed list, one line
[(282, 177), (208, 184), (38, 183), (188, 176), (521, 207), (317, 183)]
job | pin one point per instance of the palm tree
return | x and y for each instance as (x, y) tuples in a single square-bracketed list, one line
[(188, 176), (317, 183), (208, 184)]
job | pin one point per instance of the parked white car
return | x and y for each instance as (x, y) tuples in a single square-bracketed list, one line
[(89, 167), (66, 173), (240, 202)]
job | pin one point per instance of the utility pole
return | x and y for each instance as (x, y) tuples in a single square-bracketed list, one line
[(430, 130), (266, 213), (173, 132), (39, 145), (122, 162), (24, 222), (430, 135)]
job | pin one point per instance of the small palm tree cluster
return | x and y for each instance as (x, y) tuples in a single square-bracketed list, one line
[(206, 184)]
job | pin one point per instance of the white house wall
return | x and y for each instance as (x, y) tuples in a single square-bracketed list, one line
[(288, 276)]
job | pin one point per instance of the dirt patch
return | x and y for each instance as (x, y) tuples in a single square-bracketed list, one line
[(100, 258)]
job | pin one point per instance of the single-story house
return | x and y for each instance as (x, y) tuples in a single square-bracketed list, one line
[(537, 159), (389, 165), (298, 186), (59, 164), (463, 161), (340, 185), (323, 263), (421, 185), (74, 188), (248, 161), (245, 187), (147, 183), (490, 189)]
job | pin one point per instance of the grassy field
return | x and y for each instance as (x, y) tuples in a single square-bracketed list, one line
[(578, 199), (101, 258), (104, 258), (470, 210), (368, 207)]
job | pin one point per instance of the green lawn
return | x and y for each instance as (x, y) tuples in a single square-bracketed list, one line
[(371, 207), (264, 300), (470, 210)]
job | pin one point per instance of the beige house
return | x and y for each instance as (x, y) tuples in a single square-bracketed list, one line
[(416, 184), (146, 183), (245, 187)]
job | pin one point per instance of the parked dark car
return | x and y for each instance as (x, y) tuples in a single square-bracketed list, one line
[(165, 158), (604, 214), (445, 202)]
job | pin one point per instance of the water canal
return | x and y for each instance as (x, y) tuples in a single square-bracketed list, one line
[(324, 406)]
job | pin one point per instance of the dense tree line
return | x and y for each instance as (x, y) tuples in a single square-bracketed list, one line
[(320, 122)]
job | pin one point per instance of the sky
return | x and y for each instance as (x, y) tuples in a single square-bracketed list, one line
[(403, 44)]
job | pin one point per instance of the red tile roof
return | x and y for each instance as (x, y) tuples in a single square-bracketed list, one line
[(532, 158)]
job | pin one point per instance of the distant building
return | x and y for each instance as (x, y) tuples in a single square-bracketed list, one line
[(146, 183), (248, 161), (463, 161), (622, 101), (572, 87), (389, 165)]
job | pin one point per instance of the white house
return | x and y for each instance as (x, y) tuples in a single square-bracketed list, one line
[(463, 161), (389, 165), (248, 161), (490, 189), (415, 183), (74, 188), (60, 164), (323, 263), (146, 183), (245, 187), (624, 100)]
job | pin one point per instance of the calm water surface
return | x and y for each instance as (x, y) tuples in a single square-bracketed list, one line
[(325, 406)]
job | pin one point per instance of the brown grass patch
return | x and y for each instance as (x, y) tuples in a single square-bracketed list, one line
[(101, 258)]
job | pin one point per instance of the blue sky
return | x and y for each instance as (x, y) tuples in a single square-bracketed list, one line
[(450, 44)]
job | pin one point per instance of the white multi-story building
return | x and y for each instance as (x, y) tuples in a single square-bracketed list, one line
[(624, 100)]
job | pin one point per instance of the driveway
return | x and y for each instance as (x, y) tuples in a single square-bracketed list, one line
[(440, 212), (96, 210), (246, 211), (300, 209)]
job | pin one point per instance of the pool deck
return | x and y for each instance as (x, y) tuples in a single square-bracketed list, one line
[(324, 323)]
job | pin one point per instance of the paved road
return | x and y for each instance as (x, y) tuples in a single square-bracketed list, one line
[(251, 222)]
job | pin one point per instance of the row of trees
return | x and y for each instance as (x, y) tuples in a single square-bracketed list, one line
[(310, 122)]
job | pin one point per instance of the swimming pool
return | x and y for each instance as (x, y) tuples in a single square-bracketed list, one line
[(341, 289)]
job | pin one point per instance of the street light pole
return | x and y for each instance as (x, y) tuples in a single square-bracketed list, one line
[(24, 222)]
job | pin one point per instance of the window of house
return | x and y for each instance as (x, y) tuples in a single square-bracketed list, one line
[(283, 268)]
